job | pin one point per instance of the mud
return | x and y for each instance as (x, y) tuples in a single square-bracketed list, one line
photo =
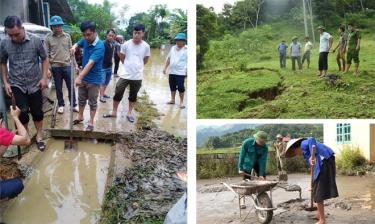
[(64, 187), (354, 205), (9, 170), (150, 187)]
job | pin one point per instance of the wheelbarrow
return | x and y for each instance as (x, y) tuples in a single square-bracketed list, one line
[(256, 191)]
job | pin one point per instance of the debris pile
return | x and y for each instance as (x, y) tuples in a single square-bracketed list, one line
[(150, 187)]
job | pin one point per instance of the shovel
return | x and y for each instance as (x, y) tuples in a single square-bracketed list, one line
[(70, 144), (19, 154), (312, 208)]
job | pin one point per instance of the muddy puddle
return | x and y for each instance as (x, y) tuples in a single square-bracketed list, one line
[(356, 199), (64, 187), (173, 119)]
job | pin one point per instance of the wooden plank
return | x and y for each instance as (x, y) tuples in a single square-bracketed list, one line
[(84, 134)]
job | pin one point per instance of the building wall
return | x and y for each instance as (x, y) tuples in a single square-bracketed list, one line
[(372, 143), (360, 135), (13, 7)]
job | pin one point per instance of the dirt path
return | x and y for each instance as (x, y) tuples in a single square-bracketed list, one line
[(356, 204)]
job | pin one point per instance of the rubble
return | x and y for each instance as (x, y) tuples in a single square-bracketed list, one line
[(150, 187)]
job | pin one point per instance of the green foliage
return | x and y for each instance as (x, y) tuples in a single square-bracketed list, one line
[(350, 159), (206, 29)]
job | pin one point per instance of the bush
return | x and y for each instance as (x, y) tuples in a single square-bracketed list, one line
[(350, 160)]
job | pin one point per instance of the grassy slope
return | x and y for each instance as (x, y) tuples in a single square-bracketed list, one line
[(305, 95)]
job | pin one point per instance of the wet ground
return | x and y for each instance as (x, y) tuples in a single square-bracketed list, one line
[(215, 204), (64, 187), (155, 83)]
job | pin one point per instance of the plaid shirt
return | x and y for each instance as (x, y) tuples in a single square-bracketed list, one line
[(24, 69)]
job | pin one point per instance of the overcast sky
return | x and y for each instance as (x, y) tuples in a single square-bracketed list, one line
[(217, 4), (144, 5)]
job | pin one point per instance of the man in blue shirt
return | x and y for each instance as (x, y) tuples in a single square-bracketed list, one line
[(91, 76), (282, 53), (324, 180)]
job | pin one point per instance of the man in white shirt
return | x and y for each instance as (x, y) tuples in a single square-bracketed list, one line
[(134, 55), (326, 41), (307, 52), (177, 62), (295, 53)]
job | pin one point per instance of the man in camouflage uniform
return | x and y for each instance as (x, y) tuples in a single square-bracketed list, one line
[(280, 146)]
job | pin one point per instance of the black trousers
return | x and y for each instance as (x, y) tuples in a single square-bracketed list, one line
[(117, 62), (323, 61)]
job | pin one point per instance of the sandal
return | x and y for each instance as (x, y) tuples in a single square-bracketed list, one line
[(41, 145), (108, 116), (130, 118), (182, 107), (170, 102), (106, 96), (90, 127), (77, 121)]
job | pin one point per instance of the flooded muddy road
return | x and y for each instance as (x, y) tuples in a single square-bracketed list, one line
[(155, 83), (65, 187), (356, 202)]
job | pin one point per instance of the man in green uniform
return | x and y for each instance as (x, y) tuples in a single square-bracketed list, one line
[(354, 45), (253, 155)]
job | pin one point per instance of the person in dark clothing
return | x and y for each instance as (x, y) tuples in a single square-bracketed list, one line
[(109, 45), (119, 40)]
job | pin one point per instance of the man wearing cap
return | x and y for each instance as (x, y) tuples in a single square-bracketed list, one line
[(295, 53), (326, 41), (280, 146), (91, 76), (57, 45), (354, 45), (253, 156), (324, 174), (177, 62), (282, 53), (307, 51), (134, 55), (25, 81)]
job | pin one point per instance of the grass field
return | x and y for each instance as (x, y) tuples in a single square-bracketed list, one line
[(227, 93)]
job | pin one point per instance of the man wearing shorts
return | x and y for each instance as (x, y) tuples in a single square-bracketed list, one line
[(342, 48), (109, 45), (325, 45), (90, 77), (24, 51), (354, 45), (134, 55), (177, 62), (10, 188), (58, 44)]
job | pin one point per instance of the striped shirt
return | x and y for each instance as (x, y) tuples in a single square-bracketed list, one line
[(24, 69)]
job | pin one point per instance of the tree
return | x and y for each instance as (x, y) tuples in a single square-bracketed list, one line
[(206, 30)]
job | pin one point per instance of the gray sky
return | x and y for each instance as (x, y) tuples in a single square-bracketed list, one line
[(144, 5), (217, 4)]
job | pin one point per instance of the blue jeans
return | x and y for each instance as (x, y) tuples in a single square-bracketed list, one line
[(60, 74)]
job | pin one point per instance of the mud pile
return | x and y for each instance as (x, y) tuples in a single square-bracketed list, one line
[(150, 187)]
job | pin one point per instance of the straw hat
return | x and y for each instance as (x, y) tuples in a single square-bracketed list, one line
[(292, 144)]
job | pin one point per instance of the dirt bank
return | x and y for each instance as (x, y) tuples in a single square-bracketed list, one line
[(218, 205), (147, 189)]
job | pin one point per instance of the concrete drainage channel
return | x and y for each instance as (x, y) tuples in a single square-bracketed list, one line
[(71, 186)]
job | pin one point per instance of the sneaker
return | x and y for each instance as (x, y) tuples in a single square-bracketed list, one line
[(102, 99), (60, 110), (76, 109)]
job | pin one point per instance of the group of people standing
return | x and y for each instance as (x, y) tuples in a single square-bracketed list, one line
[(26, 79), (348, 48)]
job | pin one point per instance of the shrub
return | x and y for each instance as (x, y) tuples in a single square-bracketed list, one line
[(350, 159)]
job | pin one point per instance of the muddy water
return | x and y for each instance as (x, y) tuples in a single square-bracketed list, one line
[(65, 187), (173, 119)]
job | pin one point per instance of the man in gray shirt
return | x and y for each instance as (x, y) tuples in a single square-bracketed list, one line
[(23, 51)]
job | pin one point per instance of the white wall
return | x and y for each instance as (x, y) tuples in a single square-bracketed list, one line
[(360, 134), (13, 8)]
